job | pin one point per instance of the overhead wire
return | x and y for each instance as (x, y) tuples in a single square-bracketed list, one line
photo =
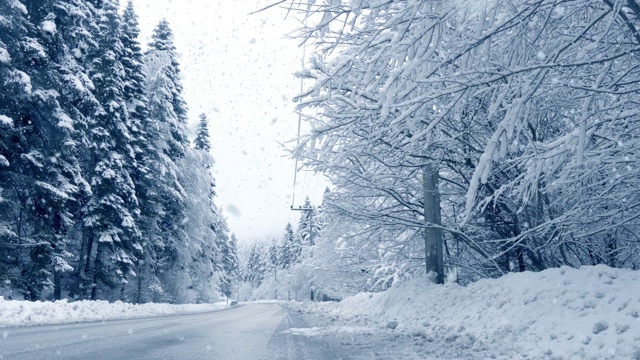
[(315, 189)]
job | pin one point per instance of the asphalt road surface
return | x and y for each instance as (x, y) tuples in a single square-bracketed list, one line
[(248, 331)]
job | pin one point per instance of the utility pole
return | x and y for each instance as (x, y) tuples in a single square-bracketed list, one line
[(310, 210), (311, 242), (432, 232)]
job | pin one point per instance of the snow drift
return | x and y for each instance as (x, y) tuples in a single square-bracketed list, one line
[(566, 313), (18, 312)]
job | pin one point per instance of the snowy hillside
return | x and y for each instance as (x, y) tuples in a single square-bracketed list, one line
[(565, 313)]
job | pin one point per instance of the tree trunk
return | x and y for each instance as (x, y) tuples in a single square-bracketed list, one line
[(139, 289), (432, 233), (123, 288), (97, 269), (85, 260), (57, 291), (521, 263)]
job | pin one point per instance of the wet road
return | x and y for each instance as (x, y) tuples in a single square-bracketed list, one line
[(248, 331)]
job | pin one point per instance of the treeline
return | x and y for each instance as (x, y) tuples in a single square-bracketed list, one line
[(508, 130), (283, 254), (102, 195)]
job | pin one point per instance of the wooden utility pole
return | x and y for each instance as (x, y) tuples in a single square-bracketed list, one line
[(310, 210), (432, 232), (275, 280)]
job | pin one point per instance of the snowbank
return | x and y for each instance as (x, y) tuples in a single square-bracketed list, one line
[(566, 313), (16, 313)]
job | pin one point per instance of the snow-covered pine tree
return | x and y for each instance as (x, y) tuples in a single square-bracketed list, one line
[(109, 216), (257, 265), (167, 132), (147, 175), (224, 262), (202, 141), (226, 277), (291, 247), (308, 227), (163, 47), (17, 47), (134, 78), (231, 260), (50, 130), (196, 272), (274, 254), (322, 210)]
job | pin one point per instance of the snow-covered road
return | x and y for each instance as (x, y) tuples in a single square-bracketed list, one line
[(248, 331)]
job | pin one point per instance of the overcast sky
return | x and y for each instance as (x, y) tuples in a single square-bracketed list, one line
[(238, 69)]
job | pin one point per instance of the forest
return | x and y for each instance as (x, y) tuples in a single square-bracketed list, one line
[(102, 194)]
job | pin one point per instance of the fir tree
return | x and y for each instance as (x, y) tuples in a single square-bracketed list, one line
[(232, 262), (202, 135), (64, 33), (308, 225), (166, 255), (162, 37), (160, 48), (274, 253), (226, 277), (109, 217), (256, 265), (16, 89), (291, 248), (47, 122), (134, 78), (147, 175)]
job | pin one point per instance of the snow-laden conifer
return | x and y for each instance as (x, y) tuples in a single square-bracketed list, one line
[(202, 141)]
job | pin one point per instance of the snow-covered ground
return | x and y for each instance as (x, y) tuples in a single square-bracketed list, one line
[(19, 313), (566, 313)]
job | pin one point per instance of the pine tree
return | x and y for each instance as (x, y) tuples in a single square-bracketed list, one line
[(232, 262), (109, 217), (134, 78), (226, 277), (147, 175), (274, 253), (163, 50), (48, 123), (166, 255), (291, 248), (16, 90), (202, 135), (63, 26), (256, 265), (308, 225)]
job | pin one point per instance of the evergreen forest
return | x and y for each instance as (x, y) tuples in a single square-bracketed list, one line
[(102, 193)]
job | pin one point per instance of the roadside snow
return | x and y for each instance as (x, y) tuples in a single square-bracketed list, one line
[(19, 313), (566, 313)]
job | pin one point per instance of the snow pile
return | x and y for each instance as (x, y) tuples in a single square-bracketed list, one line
[(566, 313), (16, 313)]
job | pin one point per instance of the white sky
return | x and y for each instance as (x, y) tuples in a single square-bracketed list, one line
[(238, 69)]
